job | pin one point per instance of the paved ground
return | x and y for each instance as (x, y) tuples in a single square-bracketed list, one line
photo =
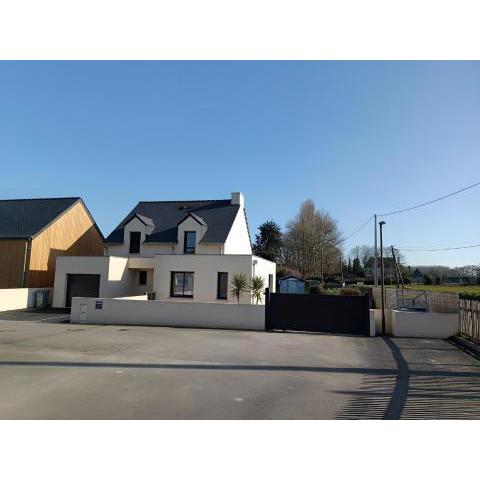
[(55, 370)]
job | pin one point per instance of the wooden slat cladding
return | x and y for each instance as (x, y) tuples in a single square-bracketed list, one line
[(73, 233), (11, 263)]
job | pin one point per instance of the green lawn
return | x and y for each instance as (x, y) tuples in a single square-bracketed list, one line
[(444, 288)]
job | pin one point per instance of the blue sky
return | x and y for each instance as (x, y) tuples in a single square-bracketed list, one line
[(356, 137)]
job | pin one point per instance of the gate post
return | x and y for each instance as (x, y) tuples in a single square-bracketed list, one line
[(267, 309)]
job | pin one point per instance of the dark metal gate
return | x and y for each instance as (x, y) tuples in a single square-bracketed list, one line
[(318, 313)]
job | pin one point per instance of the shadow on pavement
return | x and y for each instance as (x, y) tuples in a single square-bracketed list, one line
[(414, 394)]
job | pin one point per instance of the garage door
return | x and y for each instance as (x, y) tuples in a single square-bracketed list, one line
[(82, 285)]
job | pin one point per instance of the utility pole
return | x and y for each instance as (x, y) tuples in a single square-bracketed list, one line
[(397, 269), (381, 224), (375, 256), (341, 271)]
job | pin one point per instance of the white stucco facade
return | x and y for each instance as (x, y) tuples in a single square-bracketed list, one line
[(116, 279), (205, 270), (119, 270)]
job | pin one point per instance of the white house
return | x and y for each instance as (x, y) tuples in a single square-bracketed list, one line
[(178, 250)]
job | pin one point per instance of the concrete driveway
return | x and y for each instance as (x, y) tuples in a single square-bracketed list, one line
[(54, 370)]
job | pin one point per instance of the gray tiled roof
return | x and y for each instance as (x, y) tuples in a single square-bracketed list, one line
[(24, 218), (218, 215)]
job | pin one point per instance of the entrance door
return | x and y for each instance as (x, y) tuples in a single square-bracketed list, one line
[(81, 285)]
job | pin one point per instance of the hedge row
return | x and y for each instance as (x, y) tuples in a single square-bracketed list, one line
[(470, 296)]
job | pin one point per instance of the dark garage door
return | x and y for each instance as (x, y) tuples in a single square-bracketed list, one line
[(318, 313), (82, 285)]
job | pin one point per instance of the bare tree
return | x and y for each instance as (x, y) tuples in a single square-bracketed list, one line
[(366, 252), (312, 242)]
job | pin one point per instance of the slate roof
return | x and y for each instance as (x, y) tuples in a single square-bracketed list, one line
[(291, 276), (23, 218), (218, 215)]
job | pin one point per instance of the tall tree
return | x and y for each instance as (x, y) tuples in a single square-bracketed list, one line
[(268, 242), (312, 242), (357, 267)]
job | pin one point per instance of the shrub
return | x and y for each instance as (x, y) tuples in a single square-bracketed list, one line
[(239, 285), (427, 280), (438, 281), (364, 290), (257, 286), (350, 291), (315, 289), (470, 296), (329, 291)]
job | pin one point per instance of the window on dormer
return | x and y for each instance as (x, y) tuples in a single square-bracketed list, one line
[(135, 242), (190, 239)]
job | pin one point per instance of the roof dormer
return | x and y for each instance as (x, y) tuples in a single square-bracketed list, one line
[(190, 232), (148, 224)]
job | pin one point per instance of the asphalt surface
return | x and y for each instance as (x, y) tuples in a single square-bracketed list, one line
[(55, 370)]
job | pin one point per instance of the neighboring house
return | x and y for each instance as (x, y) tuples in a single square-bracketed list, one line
[(291, 284), (417, 277), (34, 232), (178, 250), (388, 267)]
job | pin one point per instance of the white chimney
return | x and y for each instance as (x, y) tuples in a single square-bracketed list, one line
[(237, 198)]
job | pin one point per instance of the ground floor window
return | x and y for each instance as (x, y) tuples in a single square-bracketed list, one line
[(142, 277), (222, 285), (181, 284)]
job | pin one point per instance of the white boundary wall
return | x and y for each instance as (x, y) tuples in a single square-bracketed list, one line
[(168, 314), (424, 324), (18, 298), (377, 315)]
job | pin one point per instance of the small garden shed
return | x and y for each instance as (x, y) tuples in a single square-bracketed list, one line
[(291, 284)]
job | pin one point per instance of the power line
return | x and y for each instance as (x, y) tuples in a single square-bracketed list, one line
[(437, 245), (430, 201), (360, 228), (439, 249)]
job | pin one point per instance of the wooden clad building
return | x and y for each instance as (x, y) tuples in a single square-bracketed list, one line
[(34, 232)]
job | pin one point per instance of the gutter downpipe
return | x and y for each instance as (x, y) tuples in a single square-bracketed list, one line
[(24, 273)]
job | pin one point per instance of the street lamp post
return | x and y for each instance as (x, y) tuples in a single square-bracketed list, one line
[(375, 255), (381, 224)]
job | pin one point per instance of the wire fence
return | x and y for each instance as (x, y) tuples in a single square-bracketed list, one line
[(470, 319)]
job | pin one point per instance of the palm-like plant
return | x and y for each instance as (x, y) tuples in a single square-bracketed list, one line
[(257, 286), (239, 285)]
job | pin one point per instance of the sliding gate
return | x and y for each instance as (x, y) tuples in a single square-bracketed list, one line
[(318, 313)]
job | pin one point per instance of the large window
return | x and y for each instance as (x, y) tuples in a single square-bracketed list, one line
[(189, 242), (135, 242), (181, 284), (222, 285)]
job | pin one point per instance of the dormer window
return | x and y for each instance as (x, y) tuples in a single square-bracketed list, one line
[(135, 242), (190, 240)]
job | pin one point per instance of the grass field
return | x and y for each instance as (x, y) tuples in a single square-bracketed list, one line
[(444, 288)]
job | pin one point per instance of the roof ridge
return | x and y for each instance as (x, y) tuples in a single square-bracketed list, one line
[(39, 198), (185, 201)]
